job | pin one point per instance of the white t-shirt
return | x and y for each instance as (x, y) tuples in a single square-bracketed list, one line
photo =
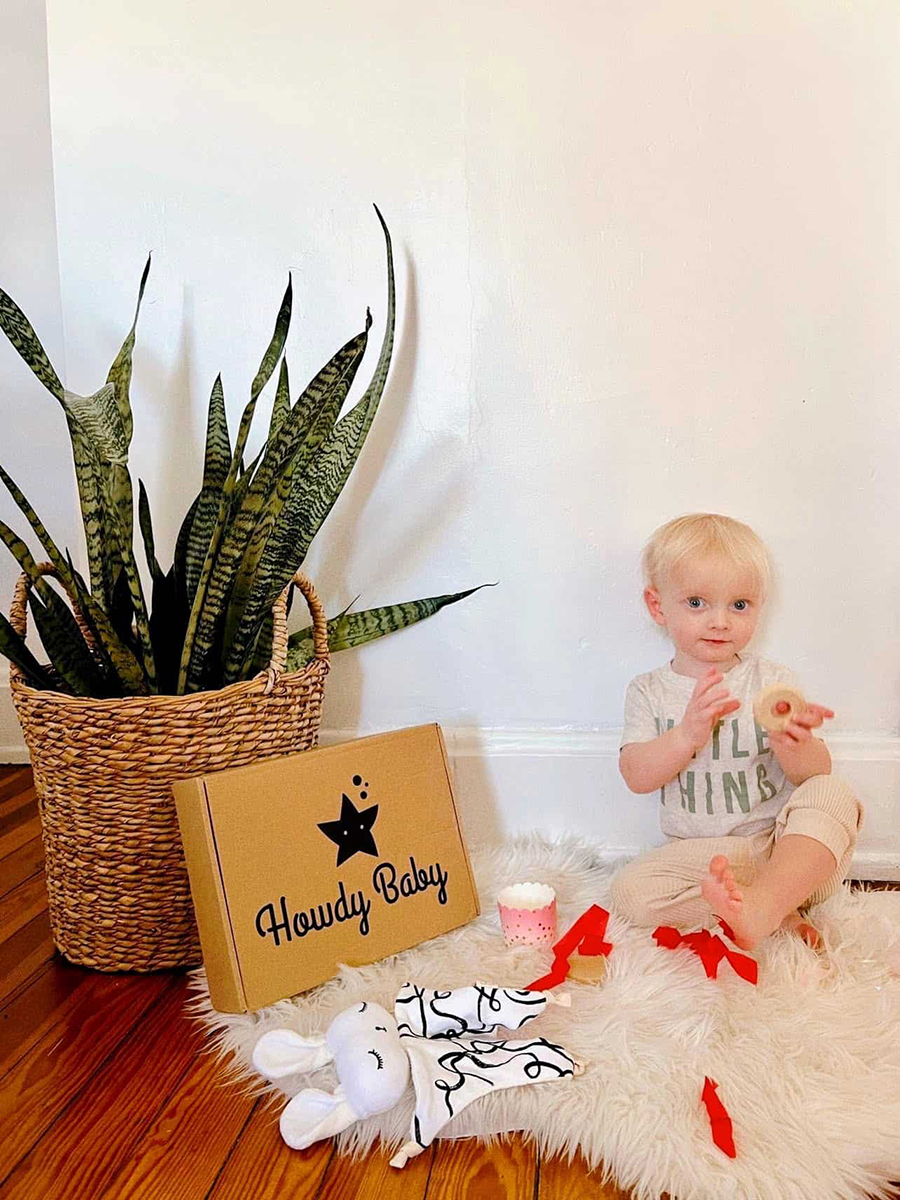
[(734, 785)]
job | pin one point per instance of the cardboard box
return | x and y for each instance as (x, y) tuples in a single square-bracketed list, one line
[(343, 854)]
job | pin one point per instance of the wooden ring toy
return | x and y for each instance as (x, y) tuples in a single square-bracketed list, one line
[(766, 702), (587, 968)]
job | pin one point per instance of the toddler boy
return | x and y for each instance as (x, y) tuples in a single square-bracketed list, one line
[(758, 826)]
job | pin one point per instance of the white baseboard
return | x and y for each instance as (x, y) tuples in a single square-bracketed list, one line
[(564, 781)]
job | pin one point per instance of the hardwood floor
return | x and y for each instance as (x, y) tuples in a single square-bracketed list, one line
[(105, 1093)]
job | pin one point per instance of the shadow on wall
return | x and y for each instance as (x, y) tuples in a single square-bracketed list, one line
[(166, 407), (384, 582), (477, 801), (479, 810)]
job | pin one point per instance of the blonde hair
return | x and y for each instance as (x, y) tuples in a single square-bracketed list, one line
[(701, 534)]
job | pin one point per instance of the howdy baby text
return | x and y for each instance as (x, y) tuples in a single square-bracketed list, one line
[(273, 922)]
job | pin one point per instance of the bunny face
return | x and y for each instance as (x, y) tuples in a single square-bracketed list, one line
[(370, 1061)]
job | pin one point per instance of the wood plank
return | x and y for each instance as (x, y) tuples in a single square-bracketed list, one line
[(14, 780), (93, 1139), (41, 1085), (263, 1167), (373, 1178), (42, 1002), (23, 953), (469, 1170), (22, 905), (19, 827), (564, 1180), (15, 798), (182, 1152), (21, 865)]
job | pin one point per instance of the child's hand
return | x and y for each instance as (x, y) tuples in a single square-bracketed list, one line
[(799, 730), (707, 704)]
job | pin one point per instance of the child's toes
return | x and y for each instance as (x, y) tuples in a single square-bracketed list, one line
[(718, 866)]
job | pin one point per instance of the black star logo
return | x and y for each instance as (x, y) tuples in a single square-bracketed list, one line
[(352, 834)]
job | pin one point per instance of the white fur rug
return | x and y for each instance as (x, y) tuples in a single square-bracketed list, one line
[(807, 1062)]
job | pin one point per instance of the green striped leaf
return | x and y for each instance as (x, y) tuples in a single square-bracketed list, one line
[(112, 632), (145, 520), (273, 353), (317, 409), (181, 542), (354, 629), (121, 611), (217, 458), (100, 421), (14, 648), (202, 528), (314, 492), (208, 607), (58, 630), (243, 485), (18, 329), (307, 426), (120, 372), (93, 515), (197, 531), (37, 525), (96, 429), (235, 656), (281, 405), (259, 657), (121, 504), (22, 554), (65, 647), (117, 656)]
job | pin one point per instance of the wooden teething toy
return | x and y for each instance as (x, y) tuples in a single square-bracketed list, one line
[(769, 706), (587, 968)]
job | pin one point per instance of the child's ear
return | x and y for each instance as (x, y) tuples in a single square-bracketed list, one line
[(652, 600)]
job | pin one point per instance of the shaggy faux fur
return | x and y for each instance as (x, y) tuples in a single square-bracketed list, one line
[(807, 1062)]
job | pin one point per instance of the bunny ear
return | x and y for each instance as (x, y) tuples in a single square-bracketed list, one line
[(314, 1115), (282, 1052)]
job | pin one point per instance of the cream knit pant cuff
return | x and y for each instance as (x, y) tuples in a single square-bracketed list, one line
[(662, 887)]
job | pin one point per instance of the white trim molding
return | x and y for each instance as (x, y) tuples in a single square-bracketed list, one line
[(565, 781)]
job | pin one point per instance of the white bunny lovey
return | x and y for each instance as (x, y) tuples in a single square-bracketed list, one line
[(428, 1039)]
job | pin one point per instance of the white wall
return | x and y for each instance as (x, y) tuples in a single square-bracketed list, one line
[(645, 267), (33, 439), (34, 445)]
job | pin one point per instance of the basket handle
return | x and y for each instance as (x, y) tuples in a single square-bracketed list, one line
[(18, 610), (279, 627)]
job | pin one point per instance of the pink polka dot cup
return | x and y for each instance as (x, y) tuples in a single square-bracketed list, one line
[(528, 914)]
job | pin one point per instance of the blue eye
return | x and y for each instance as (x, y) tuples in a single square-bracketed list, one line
[(740, 605), (691, 600)]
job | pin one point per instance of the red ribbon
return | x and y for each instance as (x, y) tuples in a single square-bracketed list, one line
[(586, 936), (719, 1120), (710, 949)]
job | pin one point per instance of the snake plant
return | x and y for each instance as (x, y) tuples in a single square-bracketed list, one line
[(207, 621)]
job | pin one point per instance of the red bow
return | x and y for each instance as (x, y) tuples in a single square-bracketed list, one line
[(710, 949), (719, 1120), (586, 936)]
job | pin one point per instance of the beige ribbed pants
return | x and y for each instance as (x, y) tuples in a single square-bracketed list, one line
[(662, 887)]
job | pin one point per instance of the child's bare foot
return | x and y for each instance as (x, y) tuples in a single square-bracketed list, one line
[(748, 921), (794, 923), (721, 891)]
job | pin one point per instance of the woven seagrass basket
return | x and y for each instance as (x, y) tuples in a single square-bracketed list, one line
[(119, 896)]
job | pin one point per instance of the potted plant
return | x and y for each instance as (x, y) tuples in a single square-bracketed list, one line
[(201, 675)]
